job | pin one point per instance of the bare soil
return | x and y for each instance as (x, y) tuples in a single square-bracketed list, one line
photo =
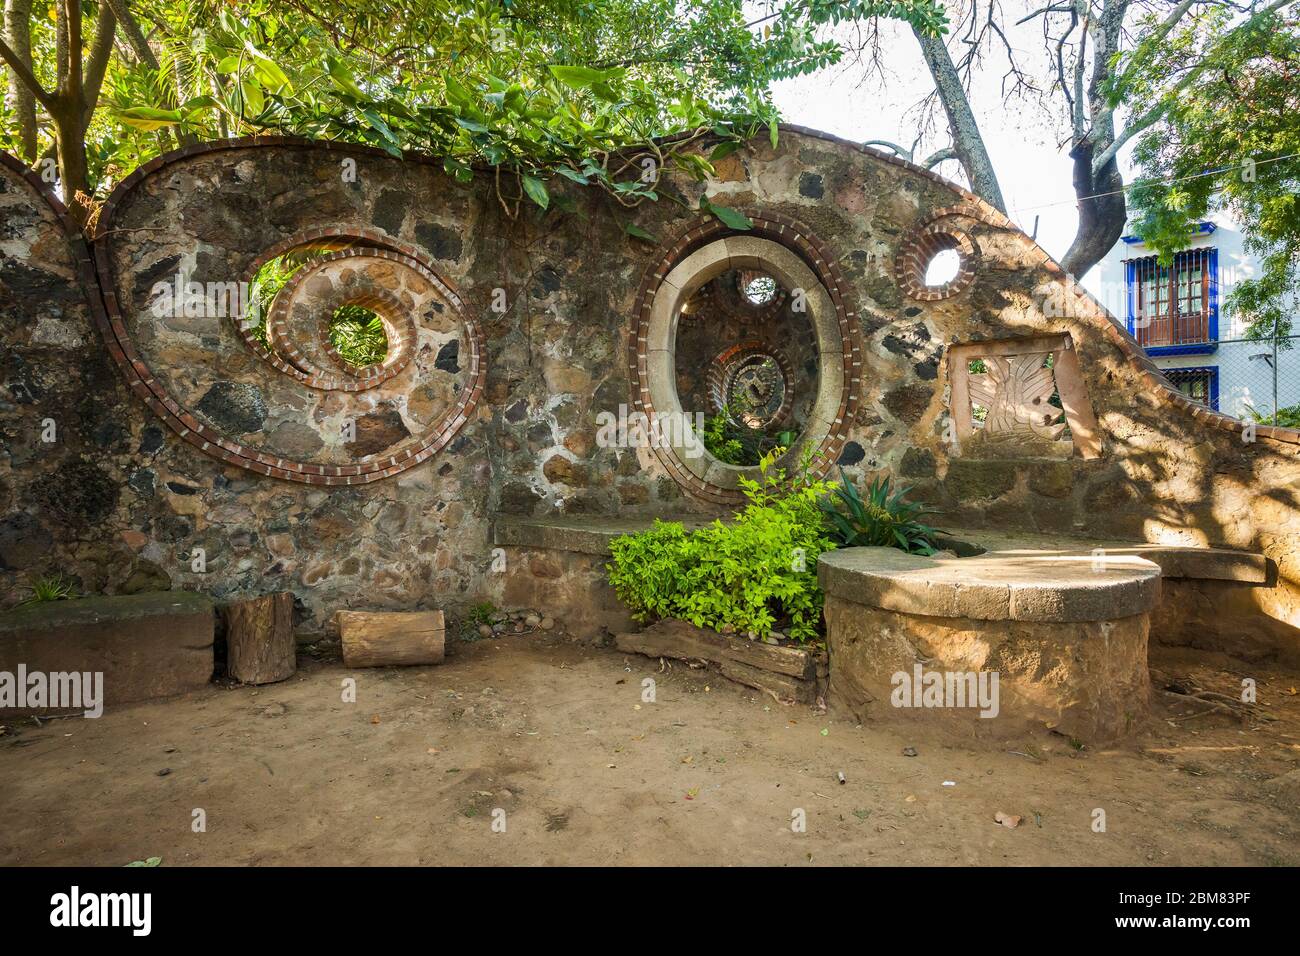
[(555, 735)]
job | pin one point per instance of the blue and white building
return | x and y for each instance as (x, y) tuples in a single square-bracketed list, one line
[(1177, 313)]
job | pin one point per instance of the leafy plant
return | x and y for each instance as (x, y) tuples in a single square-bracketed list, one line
[(357, 334), (721, 441), (475, 617), (1287, 417), (1228, 140), (733, 443), (47, 589), (878, 520), (748, 575)]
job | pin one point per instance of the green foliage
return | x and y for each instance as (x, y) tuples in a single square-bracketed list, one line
[(52, 588), (752, 573), (266, 285), (476, 616), (1229, 139), (721, 441), (1288, 416), (733, 443), (481, 613), (878, 520), (575, 90), (357, 334)]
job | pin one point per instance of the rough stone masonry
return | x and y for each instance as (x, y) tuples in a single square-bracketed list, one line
[(143, 450)]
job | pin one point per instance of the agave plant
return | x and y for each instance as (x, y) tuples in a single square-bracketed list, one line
[(880, 519), (46, 589)]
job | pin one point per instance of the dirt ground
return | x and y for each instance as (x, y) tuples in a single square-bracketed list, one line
[(555, 735)]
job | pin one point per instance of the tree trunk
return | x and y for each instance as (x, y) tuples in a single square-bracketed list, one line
[(18, 14), (1102, 211), (380, 638), (97, 65), (259, 639), (968, 144), (70, 143)]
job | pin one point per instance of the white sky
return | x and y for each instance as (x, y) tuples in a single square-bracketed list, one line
[(1027, 144)]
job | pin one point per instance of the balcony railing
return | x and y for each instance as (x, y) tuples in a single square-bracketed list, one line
[(1176, 329)]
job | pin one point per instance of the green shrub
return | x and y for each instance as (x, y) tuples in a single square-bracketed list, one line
[(479, 614), (357, 334), (756, 571), (1288, 416), (720, 441), (733, 443), (878, 520)]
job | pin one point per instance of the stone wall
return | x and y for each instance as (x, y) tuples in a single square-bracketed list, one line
[(222, 450)]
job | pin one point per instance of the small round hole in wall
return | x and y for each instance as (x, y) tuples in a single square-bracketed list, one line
[(942, 268), (358, 335), (757, 288), (935, 263)]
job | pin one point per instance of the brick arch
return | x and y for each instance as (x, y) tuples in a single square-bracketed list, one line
[(818, 258)]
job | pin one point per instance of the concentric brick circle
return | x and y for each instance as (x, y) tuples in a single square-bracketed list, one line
[(371, 248), (723, 368), (295, 351)]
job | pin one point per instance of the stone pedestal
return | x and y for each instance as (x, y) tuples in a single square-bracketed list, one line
[(1005, 640)]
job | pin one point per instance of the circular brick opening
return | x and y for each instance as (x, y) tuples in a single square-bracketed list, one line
[(682, 446), (943, 267), (758, 288), (935, 263)]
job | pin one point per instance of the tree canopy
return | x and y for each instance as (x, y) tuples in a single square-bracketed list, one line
[(1230, 140), (578, 88)]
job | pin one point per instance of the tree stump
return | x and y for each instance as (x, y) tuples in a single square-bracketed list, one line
[(380, 638), (259, 639)]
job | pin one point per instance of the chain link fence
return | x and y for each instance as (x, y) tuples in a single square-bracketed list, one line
[(1250, 379)]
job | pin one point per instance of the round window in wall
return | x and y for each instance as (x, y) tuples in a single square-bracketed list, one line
[(745, 343)]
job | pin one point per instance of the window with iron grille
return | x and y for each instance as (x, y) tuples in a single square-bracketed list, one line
[(1174, 309), (1198, 384)]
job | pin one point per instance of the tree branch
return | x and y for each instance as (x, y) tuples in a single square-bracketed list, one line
[(1152, 115), (25, 75), (97, 65), (967, 141), (134, 36), (939, 156), (900, 150)]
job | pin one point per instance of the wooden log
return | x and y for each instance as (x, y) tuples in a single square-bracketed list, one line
[(260, 647), (381, 638), (784, 688), (687, 642)]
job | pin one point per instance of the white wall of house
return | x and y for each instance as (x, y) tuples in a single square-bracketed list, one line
[(1245, 369)]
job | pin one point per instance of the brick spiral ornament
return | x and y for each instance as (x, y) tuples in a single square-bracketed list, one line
[(721, 378), (260, 385)]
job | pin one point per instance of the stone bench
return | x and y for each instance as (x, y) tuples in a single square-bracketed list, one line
[(1209, 596), (558, 564), (1066, 636), (146, 646)]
